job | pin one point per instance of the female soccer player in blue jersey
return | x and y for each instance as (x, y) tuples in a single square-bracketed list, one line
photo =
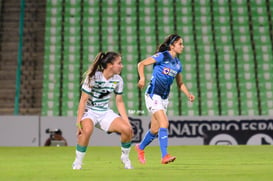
[(102, 79), (166, 67)]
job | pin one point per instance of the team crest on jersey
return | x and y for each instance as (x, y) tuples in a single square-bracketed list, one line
[(166, 71)]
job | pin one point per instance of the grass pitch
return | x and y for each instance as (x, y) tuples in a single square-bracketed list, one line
[(193, 163)]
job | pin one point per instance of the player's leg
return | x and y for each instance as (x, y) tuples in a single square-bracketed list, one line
[(162, 119), (82, 143), (148, 138), (163, 122), (120, 126), (151, 134), (152, 104)]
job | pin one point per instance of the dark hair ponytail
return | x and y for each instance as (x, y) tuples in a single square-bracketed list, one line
[(100, 63), (108, 58), (169, 40)]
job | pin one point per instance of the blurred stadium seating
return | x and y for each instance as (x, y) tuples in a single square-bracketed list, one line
[(227, 60)]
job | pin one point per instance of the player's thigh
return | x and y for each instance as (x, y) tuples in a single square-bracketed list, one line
[(161, 119), (120, 126)]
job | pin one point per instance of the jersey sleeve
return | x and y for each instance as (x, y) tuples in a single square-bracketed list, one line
[(86, 86), (158, 57), (180, 69), (119, 87)]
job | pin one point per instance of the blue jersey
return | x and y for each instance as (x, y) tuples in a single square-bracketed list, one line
[(164, 71)]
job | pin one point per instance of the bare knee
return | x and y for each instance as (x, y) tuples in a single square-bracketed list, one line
[(87, 129), (128, 130), (126, 133), (87, 132)]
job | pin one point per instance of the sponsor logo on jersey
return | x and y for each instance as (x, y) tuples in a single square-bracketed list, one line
[(104, 93), (168, 71)]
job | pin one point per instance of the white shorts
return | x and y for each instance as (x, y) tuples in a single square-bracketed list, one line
[(101, 120), (156, 103)]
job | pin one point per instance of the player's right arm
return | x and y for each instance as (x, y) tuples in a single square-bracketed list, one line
[(140, 68), (81, 107)]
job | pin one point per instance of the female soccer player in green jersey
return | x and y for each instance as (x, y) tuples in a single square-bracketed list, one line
[(102, 79)]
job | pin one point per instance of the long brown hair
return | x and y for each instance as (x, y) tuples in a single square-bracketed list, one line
[(100, 63), (169, 40)]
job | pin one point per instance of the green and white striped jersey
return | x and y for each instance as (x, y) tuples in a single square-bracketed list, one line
[(100, 90)]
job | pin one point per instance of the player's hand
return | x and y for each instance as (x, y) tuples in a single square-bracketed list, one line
[(79, 129), (191, 98), (79, 132), (141, 83)]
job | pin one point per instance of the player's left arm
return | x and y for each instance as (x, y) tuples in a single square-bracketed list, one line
[(183, 87), (121, 107)]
